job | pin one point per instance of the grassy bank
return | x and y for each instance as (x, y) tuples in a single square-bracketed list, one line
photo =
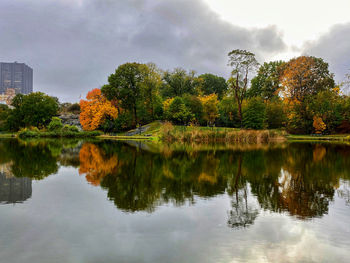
[(57, 134)]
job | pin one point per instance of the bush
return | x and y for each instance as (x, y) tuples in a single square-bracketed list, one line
[(55, 124), (70, 128)]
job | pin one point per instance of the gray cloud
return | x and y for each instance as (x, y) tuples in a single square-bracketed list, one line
[(74, 46), (333, 47)]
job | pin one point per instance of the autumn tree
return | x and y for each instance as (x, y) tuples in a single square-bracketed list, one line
[(243, 63), (95, 110), (267, 82), (303, 76), (210, 108)]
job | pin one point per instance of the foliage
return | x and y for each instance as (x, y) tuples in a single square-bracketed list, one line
[(228, 111), (275, 114), (304, 76), (211, 83), (195, 106), (55, 124), (179, 82), (267, 82), (178, 113), (319, 125), (254, 114), (210, 108), (95, 110), (35, 109)]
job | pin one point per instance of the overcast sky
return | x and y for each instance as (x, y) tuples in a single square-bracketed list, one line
[(73, 45)]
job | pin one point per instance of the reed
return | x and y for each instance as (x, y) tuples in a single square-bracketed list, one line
[(170, 133)]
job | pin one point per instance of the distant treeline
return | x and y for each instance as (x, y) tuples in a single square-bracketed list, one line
[(299, 95)]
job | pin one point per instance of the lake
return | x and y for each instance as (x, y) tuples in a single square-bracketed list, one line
[(108, 201)]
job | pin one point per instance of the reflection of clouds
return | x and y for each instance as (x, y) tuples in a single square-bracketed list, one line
[(344, 191), (195, 233)]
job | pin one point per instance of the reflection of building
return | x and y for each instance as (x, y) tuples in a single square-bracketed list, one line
[(14, 190), (17, 76)]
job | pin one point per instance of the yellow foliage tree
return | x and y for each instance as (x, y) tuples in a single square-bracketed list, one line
[(95, 109), (319, 125), (210, 108)]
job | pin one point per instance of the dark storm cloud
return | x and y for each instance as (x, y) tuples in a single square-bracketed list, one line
[(333, 47), (74, 45)]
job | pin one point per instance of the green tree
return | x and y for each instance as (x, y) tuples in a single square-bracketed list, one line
[(228, 111), (194, 104), (178, 112), (179, 82), (267, 82), (275, 114), (125, 86), (213, 84), (35, 109), (243, 63), (254, 114)]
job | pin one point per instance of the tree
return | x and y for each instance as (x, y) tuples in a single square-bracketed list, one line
[(178, 113), (179, 82), (303, 76), (35, 109), (275, 114), (95, 110), (194, 104), (211, 83), (328, 105), (254, 114), (150, 102), (319, 125), (228, 111), (267, 82), (210, 108), (243, 63), (125, 86)]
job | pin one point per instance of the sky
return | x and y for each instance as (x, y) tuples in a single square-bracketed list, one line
[(74, 45)]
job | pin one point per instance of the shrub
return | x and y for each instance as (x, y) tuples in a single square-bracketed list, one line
[(70, 128), (55, 124)]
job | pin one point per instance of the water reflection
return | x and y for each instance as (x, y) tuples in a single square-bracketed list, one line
[(14, 190), (300, 179)]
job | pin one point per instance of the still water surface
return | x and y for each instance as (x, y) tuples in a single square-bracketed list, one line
[(104, 201)]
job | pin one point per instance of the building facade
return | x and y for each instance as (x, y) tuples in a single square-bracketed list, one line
[(16, 76)]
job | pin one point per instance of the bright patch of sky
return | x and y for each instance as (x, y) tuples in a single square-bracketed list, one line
[(299, 20)]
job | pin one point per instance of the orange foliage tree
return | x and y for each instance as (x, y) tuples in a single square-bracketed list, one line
[(304, 76), (95, 109)]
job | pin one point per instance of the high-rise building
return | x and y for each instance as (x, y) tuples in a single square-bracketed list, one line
[(17, 76)]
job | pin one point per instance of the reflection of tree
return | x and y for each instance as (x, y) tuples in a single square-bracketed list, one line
[(34, 160), (300, 179), (95, 164), (242, 213)]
